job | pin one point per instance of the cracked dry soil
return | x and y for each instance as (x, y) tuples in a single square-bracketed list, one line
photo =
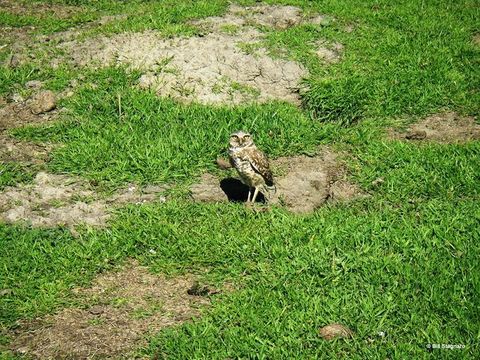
[(225, 64), (59, 200)]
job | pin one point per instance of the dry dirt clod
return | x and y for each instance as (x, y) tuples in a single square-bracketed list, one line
[(378, 181), (198, 290), (96, 310), (332, 331), (34, 84), (5, 292), (23, 151), (447, 127), (223, 164), (329, 53), (14, 60), (43, 102), (208, 190), (416, 135)]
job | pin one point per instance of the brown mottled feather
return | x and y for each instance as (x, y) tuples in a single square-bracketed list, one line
[(260, 164)]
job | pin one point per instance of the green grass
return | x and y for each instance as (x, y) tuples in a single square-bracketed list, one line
[(118, 134), (404, 260), (374, 267), (12, 174)]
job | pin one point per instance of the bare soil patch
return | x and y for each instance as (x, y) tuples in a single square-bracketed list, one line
[(303, 184), (58, 200), (38, 9), (227, 64), (329, 53), (446, 127), (121, 308), (476, 39), (12, 149), (40, 108)]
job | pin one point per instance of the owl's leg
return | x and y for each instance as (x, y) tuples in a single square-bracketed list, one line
[(255, 194), (249, 194)]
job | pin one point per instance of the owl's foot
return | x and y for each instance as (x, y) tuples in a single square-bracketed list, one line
[(257, 207), (249, 205)]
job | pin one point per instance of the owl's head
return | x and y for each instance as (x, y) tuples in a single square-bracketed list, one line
[(240, 139)]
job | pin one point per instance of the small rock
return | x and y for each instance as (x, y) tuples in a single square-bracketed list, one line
[(378, 181), (22, 350), (197, 290), (223, 164), (43, 102), (13, 61), (34, 84), (96, 310), (333, 331), (17, 98), (5, 292), (416, 135)]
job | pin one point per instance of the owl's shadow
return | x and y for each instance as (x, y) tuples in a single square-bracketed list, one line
[(237, 191)]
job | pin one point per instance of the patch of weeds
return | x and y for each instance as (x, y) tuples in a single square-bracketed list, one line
[(12, 174), (184, 89), (13, 79), (169, 17), (96, 321), (142, 313), (162, 64), (415, 173), (249, 48), (244, 89), (56, 203), (120, 302), (230, 29), (297, 43)]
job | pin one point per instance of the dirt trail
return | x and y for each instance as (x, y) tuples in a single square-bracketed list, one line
[(121, 308)]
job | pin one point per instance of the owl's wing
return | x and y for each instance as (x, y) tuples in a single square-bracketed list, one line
[(259, 162)]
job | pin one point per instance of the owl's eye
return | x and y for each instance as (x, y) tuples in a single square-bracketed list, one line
[(247, 136)]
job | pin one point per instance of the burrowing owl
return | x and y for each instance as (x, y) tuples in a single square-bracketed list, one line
[(251, 164)]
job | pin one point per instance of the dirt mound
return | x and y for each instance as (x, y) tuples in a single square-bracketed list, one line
[(58, 200), (38, 109), (227, 64), (121, 308), (447, 127), (302, 184)]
